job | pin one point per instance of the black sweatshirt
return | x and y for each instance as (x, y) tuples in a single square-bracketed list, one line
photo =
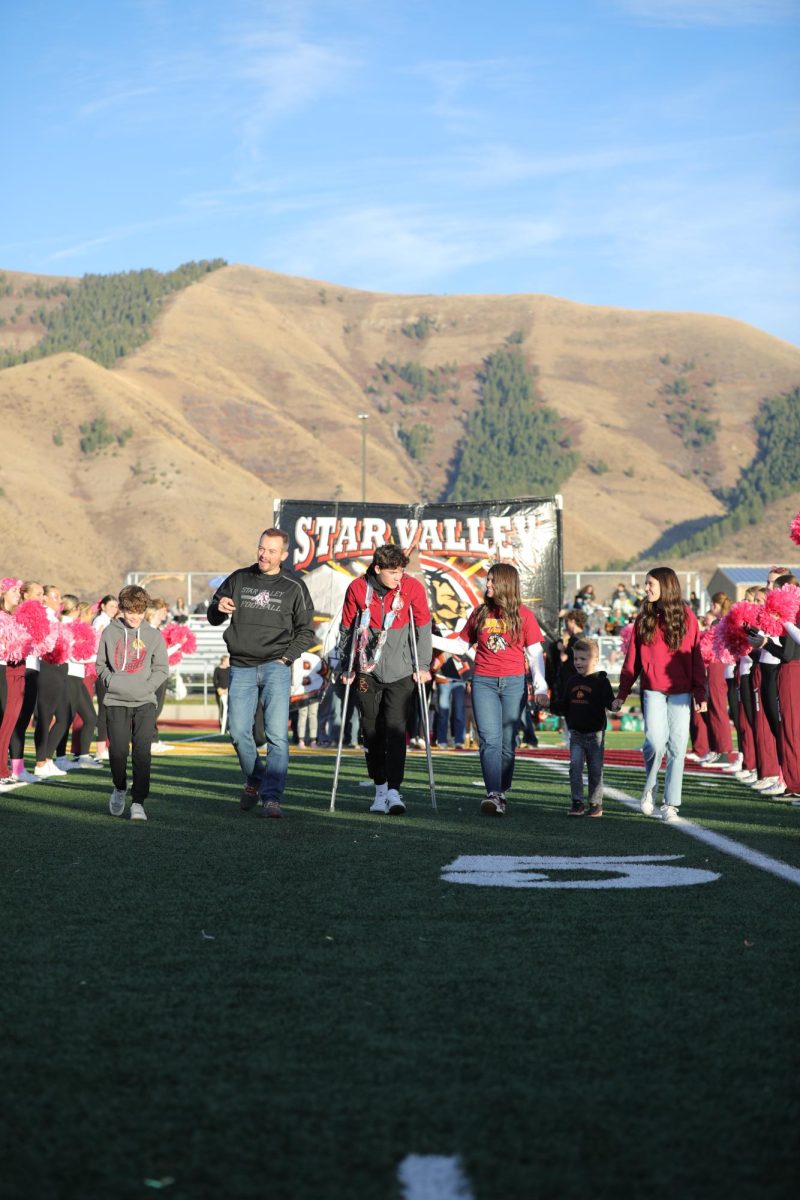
[(273, 617), (583, 702)]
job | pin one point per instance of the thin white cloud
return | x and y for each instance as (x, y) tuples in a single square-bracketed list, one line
[(287, 75), (710, 12), (385, 248), (93, 107)]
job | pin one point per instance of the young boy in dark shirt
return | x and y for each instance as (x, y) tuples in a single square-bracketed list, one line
[(583, 702)]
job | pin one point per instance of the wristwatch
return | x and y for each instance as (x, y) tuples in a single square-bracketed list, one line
[(286, 660)]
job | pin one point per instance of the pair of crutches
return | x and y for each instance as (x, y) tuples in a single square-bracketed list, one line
[(423, 704)]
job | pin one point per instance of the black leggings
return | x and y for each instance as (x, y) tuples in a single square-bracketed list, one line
[(52, 686), (76, 701), (769, 695)]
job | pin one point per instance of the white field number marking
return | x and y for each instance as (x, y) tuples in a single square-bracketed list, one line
[(535, 871), (433, 1177)]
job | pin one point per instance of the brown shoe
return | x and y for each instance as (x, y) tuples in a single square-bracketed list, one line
[(248, 798)]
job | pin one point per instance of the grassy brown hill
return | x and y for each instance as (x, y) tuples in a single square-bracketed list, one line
[(251, 385)]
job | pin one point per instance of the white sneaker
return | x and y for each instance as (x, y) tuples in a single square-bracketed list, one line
[(746, 776), (26, 777), (47, 770), (116, 802), (102, 755), (138, 813), (394, 803), (761, 784), (669, 812), (775, 789), (692, 757), (733, 768), (379, 804), (87, 763), (65, 764), (710, 760), (646, 804)]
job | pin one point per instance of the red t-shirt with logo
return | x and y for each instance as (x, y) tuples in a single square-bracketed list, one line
[(495, 653)]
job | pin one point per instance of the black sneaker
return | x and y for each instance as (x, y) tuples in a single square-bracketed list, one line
[(248, 798), (578, 809), (595, 810)]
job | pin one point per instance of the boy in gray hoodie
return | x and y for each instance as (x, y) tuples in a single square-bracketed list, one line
[(132, 664)]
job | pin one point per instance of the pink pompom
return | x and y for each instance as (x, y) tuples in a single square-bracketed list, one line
[(794, 530), (180, 640), (784, 603), (706, 646), (14, 639), (60, 651), (32, 615), (85, 640)]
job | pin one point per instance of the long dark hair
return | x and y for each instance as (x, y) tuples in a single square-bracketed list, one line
[(506, 600), (669, 610)]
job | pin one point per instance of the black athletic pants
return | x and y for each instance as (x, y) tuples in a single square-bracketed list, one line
[(52, 686), (76, 701), (769, 695), (131, 728), (384, 709)]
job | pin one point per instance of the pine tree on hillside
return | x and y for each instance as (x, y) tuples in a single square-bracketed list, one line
[(514, 444)]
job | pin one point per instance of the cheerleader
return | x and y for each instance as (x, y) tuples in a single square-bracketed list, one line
[(106, 611), (75, 700), (12, 670)]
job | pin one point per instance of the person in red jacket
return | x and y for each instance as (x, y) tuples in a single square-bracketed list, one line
[(377, 612), (664, 652)]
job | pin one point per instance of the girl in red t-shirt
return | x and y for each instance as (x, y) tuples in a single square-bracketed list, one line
[(505, 633)]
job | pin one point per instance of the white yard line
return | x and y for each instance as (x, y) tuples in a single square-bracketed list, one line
[(433, 1177), (718, 841)]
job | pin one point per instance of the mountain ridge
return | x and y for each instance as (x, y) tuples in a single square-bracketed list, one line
[(250, 388)]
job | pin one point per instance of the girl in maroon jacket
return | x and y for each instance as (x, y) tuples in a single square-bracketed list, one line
[(665, 652)]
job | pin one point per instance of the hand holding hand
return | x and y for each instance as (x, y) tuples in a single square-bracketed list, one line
[(617, 705)]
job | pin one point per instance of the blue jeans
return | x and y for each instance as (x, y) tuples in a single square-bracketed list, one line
[(666, 730), (269, 685), (586, 747), (450, 701), (497, 707)]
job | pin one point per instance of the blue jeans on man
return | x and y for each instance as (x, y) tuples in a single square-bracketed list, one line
[(269, 686)]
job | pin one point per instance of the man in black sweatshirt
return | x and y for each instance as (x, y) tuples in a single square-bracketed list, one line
[(271, 615), (583, 702)]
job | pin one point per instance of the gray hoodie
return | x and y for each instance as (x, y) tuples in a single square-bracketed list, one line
[(132, 663)]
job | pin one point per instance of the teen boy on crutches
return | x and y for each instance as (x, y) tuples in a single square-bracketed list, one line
[(381, 610)]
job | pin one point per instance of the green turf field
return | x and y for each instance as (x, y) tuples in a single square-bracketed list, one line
[(214, 1005)]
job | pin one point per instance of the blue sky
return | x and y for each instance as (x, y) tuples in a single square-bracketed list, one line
[(639, 153)]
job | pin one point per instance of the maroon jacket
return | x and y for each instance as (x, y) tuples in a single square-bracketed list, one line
[(661, 669)]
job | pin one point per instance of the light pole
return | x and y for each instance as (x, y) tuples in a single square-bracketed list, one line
[(363, 418)]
